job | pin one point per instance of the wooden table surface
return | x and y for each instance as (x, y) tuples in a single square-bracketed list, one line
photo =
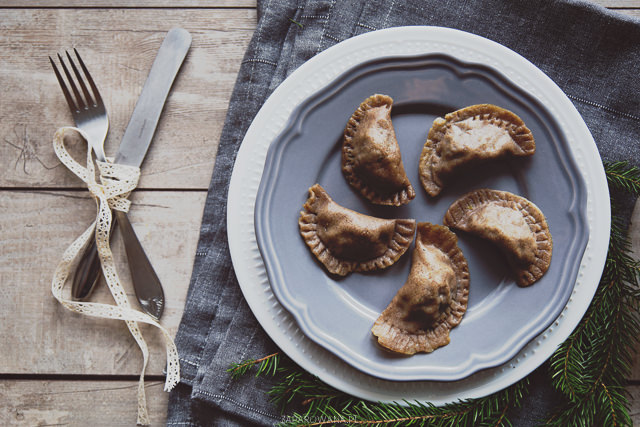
[(56, 367)]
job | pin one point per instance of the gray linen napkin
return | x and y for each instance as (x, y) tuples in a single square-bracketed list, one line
[(591, 53)]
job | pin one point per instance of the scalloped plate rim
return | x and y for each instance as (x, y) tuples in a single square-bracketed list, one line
[(248, 169), (300, 309)]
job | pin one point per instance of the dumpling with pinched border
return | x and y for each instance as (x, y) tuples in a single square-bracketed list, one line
[(434, 298), (510, 221), (345, 241), (371, 160), (472, 134)]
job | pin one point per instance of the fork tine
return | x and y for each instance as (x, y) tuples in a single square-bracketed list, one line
[(79, 100), (96, 92), (87, 95), (63, 86)]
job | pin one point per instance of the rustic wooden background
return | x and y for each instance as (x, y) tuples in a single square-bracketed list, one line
[(58, 368)]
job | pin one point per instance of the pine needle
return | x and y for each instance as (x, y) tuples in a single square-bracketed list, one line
[(589, 369)]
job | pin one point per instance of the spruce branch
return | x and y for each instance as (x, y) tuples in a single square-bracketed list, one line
[(623, 177), (296, 22), (267, 364), (488, 411), (319, 404), (589, 369)]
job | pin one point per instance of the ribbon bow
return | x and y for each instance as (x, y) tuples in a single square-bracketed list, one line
[(116, 183)]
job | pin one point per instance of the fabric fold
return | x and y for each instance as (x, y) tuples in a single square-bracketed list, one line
[(591, 53)]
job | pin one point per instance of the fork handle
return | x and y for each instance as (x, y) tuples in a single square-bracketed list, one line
[(87, 272)]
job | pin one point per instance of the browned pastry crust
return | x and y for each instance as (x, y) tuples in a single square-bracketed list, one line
[(346, 241), (472, 134), (433, 299), (371, 160), (513, 223)]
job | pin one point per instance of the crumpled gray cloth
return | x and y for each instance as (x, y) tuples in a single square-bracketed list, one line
[(591, 53)]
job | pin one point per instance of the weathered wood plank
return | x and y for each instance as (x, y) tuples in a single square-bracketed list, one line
[(202, 3), (630, 12), (118, 47), (634, 234), (81, 4), (32, 106), (38, 335), (106, 403), (634, 411), (618, 3), (78, 403)]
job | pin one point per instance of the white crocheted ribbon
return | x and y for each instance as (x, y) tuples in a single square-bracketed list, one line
[(116, 182)]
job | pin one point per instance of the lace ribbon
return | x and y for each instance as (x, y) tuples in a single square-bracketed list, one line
[(116, 183)]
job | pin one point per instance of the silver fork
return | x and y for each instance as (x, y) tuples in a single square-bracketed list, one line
[(89, 113), (91, 116)]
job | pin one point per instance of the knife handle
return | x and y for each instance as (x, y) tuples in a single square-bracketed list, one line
[(145, 280)]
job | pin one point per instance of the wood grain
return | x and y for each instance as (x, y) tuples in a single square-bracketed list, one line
[(106, 403), (199, 3), (78, 403), (83, 4), (618, 4), (38, 335), (42, 206), (634, 13), (32, 106), (634, 235)]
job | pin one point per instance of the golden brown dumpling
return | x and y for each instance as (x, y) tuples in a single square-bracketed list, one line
[(475, 133), (513, 223), (433, 299), (345, 241), (371, 160)]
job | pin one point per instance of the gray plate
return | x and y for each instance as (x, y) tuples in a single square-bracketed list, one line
[(338, 313)]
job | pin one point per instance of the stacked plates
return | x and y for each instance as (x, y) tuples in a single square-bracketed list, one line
[(323, 323)]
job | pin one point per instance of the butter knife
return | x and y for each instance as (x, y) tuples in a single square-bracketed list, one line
[(132, 150)]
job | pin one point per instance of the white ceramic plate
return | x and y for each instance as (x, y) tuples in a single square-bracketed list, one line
[(317, 74)]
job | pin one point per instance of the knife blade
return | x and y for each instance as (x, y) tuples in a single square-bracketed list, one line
[(142, 125), (133, 148)]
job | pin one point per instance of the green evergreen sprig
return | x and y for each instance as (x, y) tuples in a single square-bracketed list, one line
[(318, 404), (267, 364), (589, 369), (623, 177)]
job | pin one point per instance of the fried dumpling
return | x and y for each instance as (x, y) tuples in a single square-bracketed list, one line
[(371, 160), (513, 223), (346, 241), (433, 299), (475, 133)]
